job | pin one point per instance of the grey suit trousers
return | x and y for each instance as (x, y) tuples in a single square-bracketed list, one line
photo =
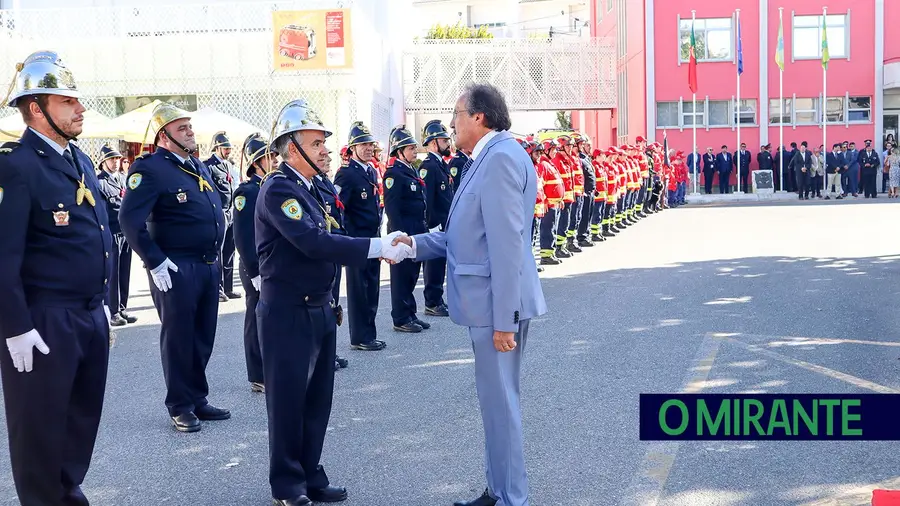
[(497, 381)]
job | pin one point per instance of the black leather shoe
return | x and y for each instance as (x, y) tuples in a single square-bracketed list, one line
[(222, 296), (127, 316), (341, 363), (563, 253), (550, 261), (584, 243), (297, 501), (233, 295), (186, 422), (257, 387), (424, 325), (328, 494), (409, 327), (484, 500), (210, 412), (116, 320), (597, 238), (375, 345), (574, 248), (437, 311)]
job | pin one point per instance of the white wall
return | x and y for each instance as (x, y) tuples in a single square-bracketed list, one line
[(520, 18)]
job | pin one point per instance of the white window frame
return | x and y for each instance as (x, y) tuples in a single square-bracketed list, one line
[(609, 5), (849, 110), (700, 111), (745, 105), (775, 113), (669, 103), (702, 32), (728, 106), (834, 21), (815, 112), (842, 119)]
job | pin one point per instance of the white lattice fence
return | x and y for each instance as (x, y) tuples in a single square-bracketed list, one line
[(219, 55), (534, 74)]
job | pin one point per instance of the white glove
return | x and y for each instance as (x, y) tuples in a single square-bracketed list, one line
[(256, 282), (20, 349), (108, 315), (394, 254), (161, 277)]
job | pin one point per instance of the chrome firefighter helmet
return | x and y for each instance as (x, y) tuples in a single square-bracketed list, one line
[(297, 116), (43, 73)]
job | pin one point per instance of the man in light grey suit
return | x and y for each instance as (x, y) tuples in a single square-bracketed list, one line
[(492, 282)]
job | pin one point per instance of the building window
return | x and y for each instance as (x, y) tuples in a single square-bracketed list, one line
[(835, 109), (859, 109), (689, 115), (807, 40), (747, 113), (714, 39), (718, 113), (667, 114), (609, 5), (806, 111), (775, 117)]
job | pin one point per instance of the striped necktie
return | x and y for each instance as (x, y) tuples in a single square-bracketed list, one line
[(464, 170)]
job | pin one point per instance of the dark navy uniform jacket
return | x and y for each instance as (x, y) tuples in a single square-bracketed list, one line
[(456, 166), (51, 249), (869, 158), (165, 214), (438, 189), (333, 204), (220, 170), (590, 178), (298, 257), (245, 223), (112, 188), (404, 199), (357, 187)]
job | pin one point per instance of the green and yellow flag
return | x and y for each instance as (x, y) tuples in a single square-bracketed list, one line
[(779, 50), (825, 56)]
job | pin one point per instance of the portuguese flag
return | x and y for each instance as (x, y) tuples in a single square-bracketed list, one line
[(692, 65)]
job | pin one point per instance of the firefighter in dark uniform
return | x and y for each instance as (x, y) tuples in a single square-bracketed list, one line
[(223, 174), (54, 277), (583, 148), (112, 188), (335, 208), (456, 167), (438, 196), (404, 204), (172, 216), (298, 261), (357, 186), (261, 160)]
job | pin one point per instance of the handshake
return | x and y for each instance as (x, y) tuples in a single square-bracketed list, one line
[(396, 247)]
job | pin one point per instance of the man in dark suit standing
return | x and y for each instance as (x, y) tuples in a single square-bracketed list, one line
[(724, 163), (869, 163), (801, 165), (709, 170), (764, 159), (742, 162)]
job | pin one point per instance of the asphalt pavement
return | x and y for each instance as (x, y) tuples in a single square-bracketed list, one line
[(751, 297)]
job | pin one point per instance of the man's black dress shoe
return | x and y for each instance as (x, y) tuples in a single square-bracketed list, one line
[(210, 412), (186, 422), (424, 325), (409, 327), (328, 494), (484, 500), (116, 320), (297, 501), (233, 295), (375, 345), (127, 316), (256, 386)]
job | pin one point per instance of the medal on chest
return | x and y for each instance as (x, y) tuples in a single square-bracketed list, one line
[(443, 186), (364, 195), (412, 186), (61, 218), (182, 197)]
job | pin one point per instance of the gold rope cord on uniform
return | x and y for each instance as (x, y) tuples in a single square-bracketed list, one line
[(12, 85), (202, 182), (84, 193)]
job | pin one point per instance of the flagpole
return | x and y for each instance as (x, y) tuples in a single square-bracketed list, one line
[(738, 104), (781, 106), (824, 94), (695, 168)]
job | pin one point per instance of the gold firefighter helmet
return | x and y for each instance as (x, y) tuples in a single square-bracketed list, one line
[(162, 115)]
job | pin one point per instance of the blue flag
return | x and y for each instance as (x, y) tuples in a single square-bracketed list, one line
[(740, 50)]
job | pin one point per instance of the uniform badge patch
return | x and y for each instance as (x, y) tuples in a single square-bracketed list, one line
[(61, 218), (182, 197), (134, 181), (239, 202), (389, 182), (453, 171), (423, 173), (291, 208), (362, 195)]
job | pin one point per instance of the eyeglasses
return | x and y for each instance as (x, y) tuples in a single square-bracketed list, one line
[(456, 112)]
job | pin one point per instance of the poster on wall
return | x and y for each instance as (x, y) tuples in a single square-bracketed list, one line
[(312, 40)]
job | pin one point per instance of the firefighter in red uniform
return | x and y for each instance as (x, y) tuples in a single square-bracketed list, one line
[(564, 167), (599, 197), (554, 191), (540, 201), (612, 193), (567, 144)]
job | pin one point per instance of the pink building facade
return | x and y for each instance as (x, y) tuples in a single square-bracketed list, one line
[(863, 77)]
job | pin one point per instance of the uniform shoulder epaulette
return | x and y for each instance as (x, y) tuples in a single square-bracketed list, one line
[(8, 147), (145, 155), (274, 174)]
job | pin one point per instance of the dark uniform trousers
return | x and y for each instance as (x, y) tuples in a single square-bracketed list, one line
[(587, 213), (435, 271), (298, 348), (188, 312), (227, 259), (120, 278), (404, 277), (575, 215), (549, 224), (563, 223), (252, 351), (53, 412), (363, 289)]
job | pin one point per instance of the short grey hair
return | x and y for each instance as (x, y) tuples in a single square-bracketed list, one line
[(488, 100), (281, 145)]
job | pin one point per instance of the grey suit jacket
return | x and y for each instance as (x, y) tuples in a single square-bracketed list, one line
[(492, 279)]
